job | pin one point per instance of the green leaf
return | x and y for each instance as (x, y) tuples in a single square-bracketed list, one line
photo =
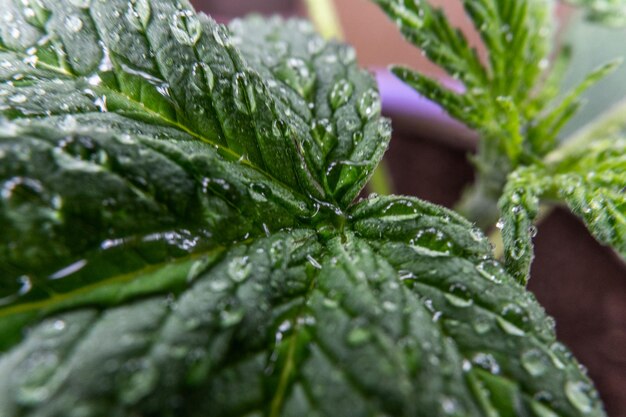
[(404, 314), (590, 180), (515, 31), (606, 12), (511, 98), (179, 236), (328, 94)]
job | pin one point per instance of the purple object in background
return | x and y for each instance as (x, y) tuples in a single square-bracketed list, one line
[(413, 112)]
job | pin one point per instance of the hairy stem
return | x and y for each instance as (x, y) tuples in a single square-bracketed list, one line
[(479, 203)]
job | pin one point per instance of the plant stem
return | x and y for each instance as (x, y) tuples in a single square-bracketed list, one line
[(323, 14), (611, 122), (479, 202)]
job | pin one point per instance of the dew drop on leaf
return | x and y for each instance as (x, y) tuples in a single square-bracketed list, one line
[(487, 362), (82, 4), (230, 318), (576, 392), (481, 324), (296, 74), (340, 93), (243, 94), (203, 77), (490, 270), (459, 296), (541, 410), (73, 23), (186, 27), (509, 327), (369, 104), (359, 336), (534, 362), (239, 268), (138, 14), (18, 98)]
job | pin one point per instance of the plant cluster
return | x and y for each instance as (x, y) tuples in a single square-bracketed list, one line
[(181, 234)]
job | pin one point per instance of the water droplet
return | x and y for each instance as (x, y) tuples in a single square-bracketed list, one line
[(481, 324), (329, 303), (491, 270), (487, 362), (324, 134), (389, 306), (449, 406), (315, 45), (230, 318), (340, 93), (73, 23), (219, 285), (186, 27), (138, 14), (535, 362), (18, 98), (239, 268), (29, 13), (296, 74), (101, 103), (243, 93), (15, 33), (541, 410), (515, 316), (459, 296), (576, 392), (69, 270), (510, 328), (359, 336), (369, 104), (431, 242), (82, 4), (347, 54), (313, 262), (58, 325), (384, 128), (259, 192), (203, 77)]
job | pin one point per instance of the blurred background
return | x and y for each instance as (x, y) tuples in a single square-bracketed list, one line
[(579, 282)]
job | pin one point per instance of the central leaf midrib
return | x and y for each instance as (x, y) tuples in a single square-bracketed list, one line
[(57, 301)]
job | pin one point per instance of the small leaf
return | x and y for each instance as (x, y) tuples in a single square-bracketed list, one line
[(590, 180)]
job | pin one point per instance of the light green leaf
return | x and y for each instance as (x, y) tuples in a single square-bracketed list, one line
[(511, 98), (589, 180)]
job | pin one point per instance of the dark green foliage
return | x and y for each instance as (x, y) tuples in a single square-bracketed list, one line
[(179, 236)]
